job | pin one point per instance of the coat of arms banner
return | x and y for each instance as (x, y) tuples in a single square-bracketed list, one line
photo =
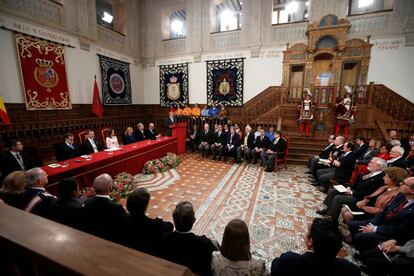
[(43, 73), (116, 81), (174, 84), (225, 82)]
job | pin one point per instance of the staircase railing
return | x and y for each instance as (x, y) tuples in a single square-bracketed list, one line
[(265, 101)]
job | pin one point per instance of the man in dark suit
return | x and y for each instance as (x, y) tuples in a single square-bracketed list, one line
[(232, 142), (406, 144), (206, 139), (341, 169), (168, 122), (369, 154), (101, 217), (368, 184), (184, 247), (276, 149), (368, 233), (219, 140), (143, 233), (396, 154), (150, 133), (261, 143), (90, 144), (246, 146), (313, 161), (324, 242), (195, 138), (35, 199), (139, 133), (15, 159), (67, 149), (67, 208), (361, 147)]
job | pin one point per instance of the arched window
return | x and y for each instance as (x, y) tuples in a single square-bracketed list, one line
[(177, 24), (368, 6), (228, 15), (285, 11)]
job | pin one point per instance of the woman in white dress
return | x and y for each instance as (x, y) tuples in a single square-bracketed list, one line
[(234, 257), (111, 140)]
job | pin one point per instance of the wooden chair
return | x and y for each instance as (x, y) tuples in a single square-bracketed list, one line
[(283, 160), (79, 136), (352, 179), (102, 134)]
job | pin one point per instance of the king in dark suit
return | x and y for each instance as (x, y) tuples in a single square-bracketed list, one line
[(90, 144), (67, 149), (367, 234)]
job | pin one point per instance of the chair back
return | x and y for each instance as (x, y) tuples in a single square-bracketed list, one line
[(354, 176), (79, 136), (102, 134)]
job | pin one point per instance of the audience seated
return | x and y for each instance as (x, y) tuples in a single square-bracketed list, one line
[(143, 233), (129, 137), (232, 142), (195, 136), (102, 217), (360, 148), (261, 144), (367, 156), (90, 144), (368, 233), (204, 111), (35, 199), (396, 160), (178, 111), (324, 154), (12, 189), (184, 247), (340, 170), (140, 133), (219, 141), (206, 139), (246, 146), (384, 152), (375, 202), (150, 133), (67, 149), (275, 150), (223, 112), (324, 242), (234, 257), (271, 133), (111, 141), (407, 144), (258, 132), (67, 208), (15, 159), (366, 186), (186, 111), (213, 111)]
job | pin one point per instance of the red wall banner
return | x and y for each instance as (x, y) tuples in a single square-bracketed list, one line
[(43, 72)]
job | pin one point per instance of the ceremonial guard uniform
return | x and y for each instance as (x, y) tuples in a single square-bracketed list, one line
[(306, 113), (344, 113)]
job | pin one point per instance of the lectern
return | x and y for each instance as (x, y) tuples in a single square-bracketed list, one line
[(179, 131)]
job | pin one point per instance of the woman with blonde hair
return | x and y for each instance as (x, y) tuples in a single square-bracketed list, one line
[(378, 200), (13, 187), (234, 257), (129, 137)]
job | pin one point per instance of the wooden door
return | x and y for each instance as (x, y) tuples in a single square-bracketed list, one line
[(296, 81), (350, 72)]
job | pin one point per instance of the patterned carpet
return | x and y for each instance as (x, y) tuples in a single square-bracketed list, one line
[(278, 207)]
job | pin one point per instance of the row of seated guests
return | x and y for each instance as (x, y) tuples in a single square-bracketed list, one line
[(250, 146), (174, 242), (195, 111), (69, 149), (378, 207)]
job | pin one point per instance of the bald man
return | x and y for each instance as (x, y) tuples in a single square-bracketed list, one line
[(102, 217)]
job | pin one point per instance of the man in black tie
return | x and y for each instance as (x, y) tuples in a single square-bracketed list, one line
[(90, 144), (15, 159), (67, 149), (150, 133), (261, 143), (361, 147), (168, 122), (140, 133)]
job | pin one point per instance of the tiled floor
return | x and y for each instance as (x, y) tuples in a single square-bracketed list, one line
[(278, 207)]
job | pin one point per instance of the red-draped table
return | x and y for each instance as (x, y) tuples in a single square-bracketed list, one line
[(131, 159)]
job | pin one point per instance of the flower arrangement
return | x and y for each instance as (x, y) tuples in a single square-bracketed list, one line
[(122, 186), (169, 161)]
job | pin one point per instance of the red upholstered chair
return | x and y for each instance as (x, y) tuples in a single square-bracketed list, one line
[(352, 179), (79, 136), (283, 160), (102, 134)]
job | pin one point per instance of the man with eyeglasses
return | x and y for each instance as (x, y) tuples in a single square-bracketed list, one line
[(396, 160), (384, 226)]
